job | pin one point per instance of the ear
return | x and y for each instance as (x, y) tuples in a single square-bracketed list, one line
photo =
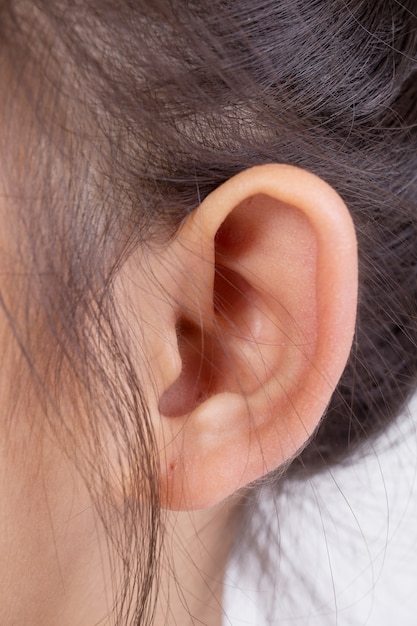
[(257, 323)]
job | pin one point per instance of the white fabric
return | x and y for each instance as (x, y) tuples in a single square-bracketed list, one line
[(347, 551)]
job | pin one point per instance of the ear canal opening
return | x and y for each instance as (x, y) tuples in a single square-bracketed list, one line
[(234, 348), (193, 385), (206, 363)]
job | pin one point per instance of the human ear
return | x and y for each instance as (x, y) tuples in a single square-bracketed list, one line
[(261, 284)]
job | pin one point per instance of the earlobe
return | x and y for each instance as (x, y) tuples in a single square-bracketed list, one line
[(265, 302)]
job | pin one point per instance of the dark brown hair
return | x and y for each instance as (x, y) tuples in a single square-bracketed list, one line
[(119, 117)]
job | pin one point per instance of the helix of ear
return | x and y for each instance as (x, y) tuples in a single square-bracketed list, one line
[(262, 284)]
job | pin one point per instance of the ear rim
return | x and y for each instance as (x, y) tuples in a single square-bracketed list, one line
[(282, 180), (336, 239)]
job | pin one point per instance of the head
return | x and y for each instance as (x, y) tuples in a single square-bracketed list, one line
[(184, 191)]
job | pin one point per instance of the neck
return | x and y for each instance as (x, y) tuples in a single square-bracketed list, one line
[(195, 553)]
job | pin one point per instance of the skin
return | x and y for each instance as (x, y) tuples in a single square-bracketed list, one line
[(56, 564), (53, 551), (272, 361)]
